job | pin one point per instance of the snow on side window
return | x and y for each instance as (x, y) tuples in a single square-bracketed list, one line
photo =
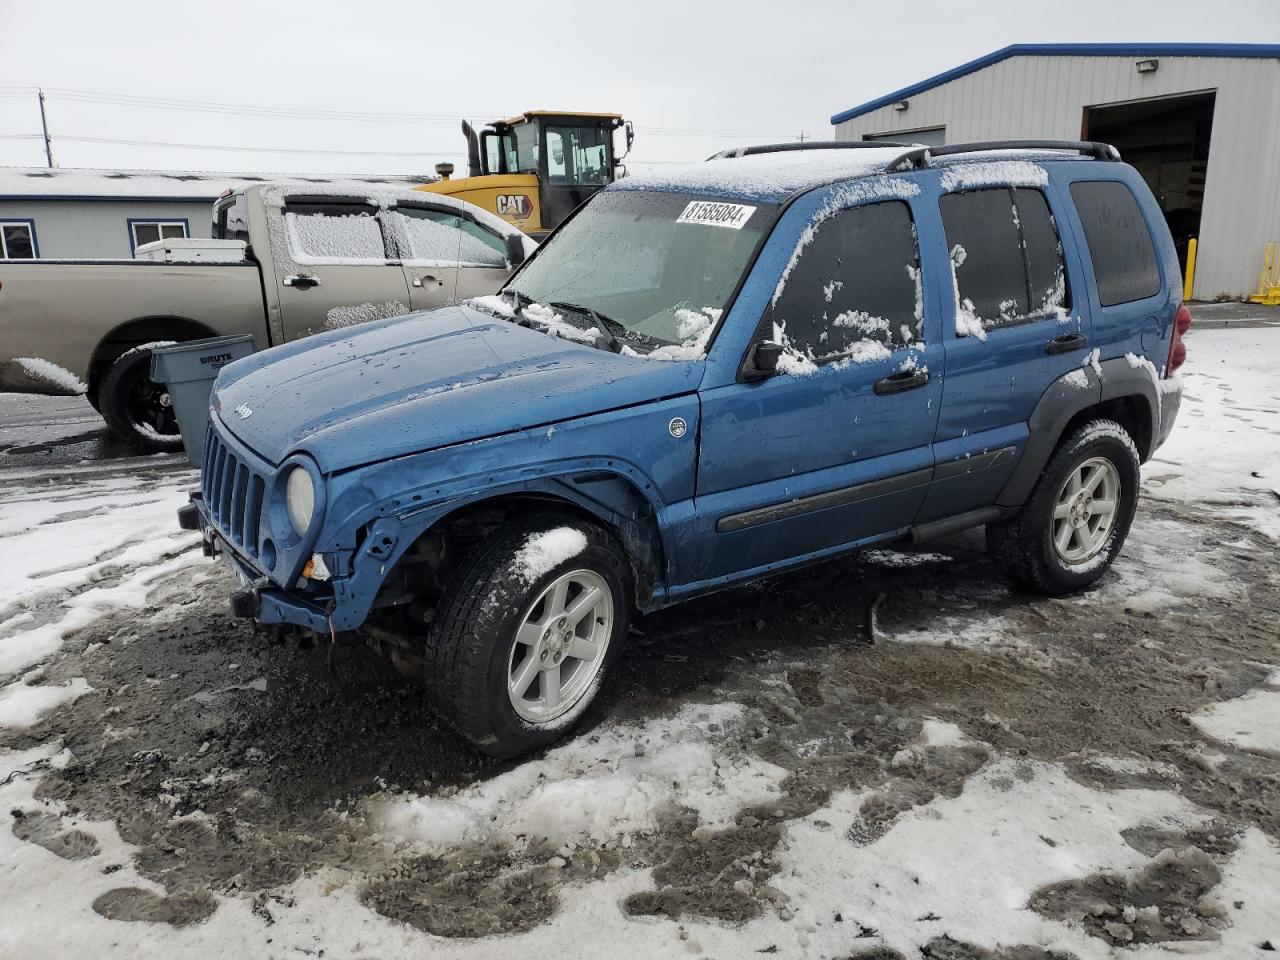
[(437, 237), (337, 233), (1006, 259), (854, 292)]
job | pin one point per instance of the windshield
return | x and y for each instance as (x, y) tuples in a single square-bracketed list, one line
[(657, 268)]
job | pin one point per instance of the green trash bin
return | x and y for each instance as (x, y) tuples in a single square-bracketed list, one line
[(188, 370)]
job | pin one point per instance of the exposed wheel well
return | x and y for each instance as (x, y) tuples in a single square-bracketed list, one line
[(136, 332), (1133, 412), (425, 572)]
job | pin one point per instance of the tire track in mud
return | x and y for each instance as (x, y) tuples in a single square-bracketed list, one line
[(228, 786)]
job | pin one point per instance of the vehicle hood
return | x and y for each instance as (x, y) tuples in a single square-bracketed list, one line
[(426, 380)]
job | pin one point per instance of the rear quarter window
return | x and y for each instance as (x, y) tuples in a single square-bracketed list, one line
[(1120, 245)]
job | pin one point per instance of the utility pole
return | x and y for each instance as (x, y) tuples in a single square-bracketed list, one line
[(44, 125), (802, 136)]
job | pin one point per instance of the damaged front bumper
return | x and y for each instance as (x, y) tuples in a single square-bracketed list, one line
[(259, 598)]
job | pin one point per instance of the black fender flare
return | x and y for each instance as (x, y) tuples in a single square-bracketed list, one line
[(1064, 400)]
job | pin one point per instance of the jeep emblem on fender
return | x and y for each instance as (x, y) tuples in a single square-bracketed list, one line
[(677, 426)]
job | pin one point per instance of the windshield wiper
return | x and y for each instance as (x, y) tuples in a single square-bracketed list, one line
[(601, 323)]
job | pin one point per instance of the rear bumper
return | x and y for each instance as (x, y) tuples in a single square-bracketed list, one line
[(1170, 404)]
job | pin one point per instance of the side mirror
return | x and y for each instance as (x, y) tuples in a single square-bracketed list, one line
[(764, 360), (515, 250)]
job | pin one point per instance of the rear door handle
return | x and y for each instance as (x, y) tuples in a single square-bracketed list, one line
[(301, 282), (1066, 343), (906, 380)]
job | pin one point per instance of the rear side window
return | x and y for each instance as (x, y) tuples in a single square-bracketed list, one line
[(1006, 256), (1124, 258), (855, 289), (334, 232)]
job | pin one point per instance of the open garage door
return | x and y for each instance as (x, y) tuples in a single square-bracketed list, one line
[(1167, 139)]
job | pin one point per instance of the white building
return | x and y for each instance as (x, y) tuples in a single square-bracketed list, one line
[(68, 214), (1200, 121)]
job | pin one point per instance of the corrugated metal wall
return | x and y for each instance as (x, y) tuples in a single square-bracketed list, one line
[(99, 229), (1044, 97)]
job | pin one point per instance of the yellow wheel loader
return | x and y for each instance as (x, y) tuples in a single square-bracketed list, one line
[(534, 169)]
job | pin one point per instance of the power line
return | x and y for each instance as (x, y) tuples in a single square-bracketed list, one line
[(257, 149), (307, 113)]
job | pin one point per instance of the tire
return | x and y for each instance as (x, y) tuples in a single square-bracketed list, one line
[(1028, 545), (474, 652), (137, 409)]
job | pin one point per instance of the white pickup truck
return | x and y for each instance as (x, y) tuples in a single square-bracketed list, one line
[(283, 263)]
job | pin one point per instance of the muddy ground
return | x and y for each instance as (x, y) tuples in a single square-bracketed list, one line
[(236, 765)]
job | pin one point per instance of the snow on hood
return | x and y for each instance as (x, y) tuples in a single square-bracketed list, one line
[(425, 380)]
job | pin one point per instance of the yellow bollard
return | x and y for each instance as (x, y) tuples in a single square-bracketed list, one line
[(1189, 282), (1269, 276)]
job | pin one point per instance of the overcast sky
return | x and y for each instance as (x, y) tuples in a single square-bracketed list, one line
[(696, 76)]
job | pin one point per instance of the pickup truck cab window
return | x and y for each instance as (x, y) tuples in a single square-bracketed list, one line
[(449, 236), (334, 232), (659, 267)]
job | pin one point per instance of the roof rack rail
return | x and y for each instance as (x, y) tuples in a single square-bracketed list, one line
[(1092, 148), (805, 145)]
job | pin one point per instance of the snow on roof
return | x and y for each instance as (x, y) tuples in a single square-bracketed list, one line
[(1261, 51), (768, 177), (30, 183)]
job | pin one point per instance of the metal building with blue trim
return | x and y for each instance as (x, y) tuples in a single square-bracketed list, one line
[(1201, 122)]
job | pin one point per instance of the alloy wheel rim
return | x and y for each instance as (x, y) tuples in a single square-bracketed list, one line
[(1085, 510), (559, 647)]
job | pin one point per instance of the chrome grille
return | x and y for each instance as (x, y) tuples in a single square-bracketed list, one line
[(233, 493)]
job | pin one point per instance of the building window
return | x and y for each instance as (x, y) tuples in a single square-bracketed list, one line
[(18, 240), (149, 231)]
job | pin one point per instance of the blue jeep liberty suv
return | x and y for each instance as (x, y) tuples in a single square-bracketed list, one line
[(704, 377)]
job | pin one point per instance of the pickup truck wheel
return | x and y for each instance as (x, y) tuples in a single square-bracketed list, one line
[(1074, 523), (137, 409), (528, 633)]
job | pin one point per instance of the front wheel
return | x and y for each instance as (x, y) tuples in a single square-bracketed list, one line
[(527, 634), (1074, 523), (137, 409)]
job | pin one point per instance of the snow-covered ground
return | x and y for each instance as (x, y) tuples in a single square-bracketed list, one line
[(1088, 775)]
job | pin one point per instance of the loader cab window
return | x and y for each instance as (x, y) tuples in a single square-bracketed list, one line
[(578, 155), (519, 148)]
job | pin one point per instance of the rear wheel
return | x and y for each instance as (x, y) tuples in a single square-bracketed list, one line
[(1073, 525), (527, 634), (137, 409)]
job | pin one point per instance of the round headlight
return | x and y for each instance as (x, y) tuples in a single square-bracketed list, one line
[(300, 498)]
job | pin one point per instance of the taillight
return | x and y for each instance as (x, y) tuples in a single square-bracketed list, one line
[(1178, 349)]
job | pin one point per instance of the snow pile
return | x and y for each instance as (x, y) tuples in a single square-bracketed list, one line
[(494, 303), (694, 330), (543, 552), (616, 782), (1251, 722), (554, 324), (349, 316), (22, 704), (45, 371), (1222, 452), (967, 175)]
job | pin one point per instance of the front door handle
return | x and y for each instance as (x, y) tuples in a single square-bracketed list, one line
[(301, 282), (905, 380), (418, 281), (1066, 343)]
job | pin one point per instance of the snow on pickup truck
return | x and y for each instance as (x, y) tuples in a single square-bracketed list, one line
[(284, 263)]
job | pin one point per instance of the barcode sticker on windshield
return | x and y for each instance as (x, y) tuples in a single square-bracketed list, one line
[(731, 215)]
